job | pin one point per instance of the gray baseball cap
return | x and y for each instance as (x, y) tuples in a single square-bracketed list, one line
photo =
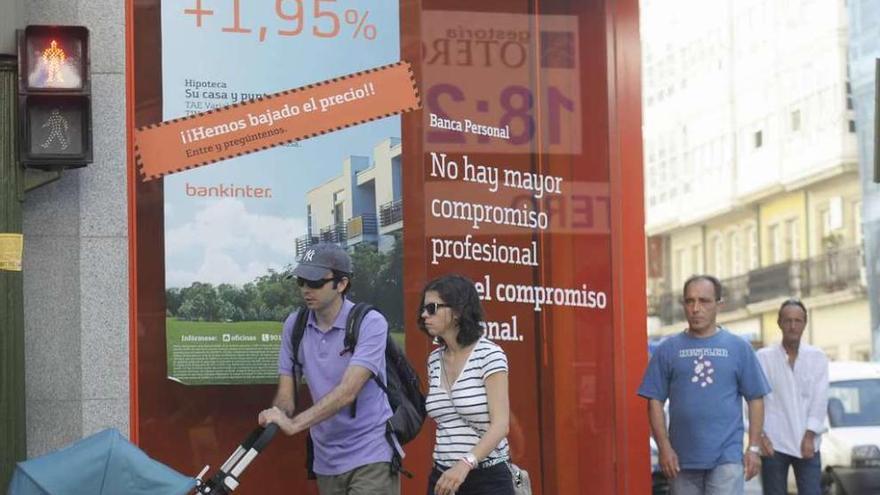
[(319, 258)]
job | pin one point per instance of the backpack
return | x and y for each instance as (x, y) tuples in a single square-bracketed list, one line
[(403, 389)]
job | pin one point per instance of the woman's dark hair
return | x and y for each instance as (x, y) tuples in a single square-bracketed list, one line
[(461, 296)]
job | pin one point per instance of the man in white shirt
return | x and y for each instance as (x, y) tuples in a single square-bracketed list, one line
[(794, 412)]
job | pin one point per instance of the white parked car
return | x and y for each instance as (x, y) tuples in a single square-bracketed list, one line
[(851, 446)]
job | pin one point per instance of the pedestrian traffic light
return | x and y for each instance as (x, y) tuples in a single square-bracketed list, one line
[(54, 97)]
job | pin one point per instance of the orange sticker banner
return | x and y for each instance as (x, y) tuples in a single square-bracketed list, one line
[(281, 118)]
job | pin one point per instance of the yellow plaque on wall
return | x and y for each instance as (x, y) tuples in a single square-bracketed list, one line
[(10, 252)]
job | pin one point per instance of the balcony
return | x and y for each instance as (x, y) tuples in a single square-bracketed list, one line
[(735, 292), (779, 280), (359, 229), (362, 228), (666, 306), (391, 213), (831, 272), (336, 233)]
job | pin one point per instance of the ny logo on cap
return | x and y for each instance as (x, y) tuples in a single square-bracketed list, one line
[(309, 254)]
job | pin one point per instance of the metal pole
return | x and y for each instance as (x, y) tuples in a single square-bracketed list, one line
[(13, 447)]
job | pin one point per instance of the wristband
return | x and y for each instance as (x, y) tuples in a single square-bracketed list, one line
[(754, 449), (470, 460)]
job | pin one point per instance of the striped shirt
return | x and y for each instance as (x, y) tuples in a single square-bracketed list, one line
[(462, 417)]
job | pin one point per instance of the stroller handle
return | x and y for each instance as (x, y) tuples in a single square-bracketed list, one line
[(265, 437), (226, 480)]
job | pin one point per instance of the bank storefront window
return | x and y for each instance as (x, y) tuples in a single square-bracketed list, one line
[(512, 169)]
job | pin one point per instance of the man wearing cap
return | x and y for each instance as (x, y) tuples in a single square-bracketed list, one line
[(351, 453)]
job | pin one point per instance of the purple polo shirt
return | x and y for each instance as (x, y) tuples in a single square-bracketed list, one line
[(343, 443)]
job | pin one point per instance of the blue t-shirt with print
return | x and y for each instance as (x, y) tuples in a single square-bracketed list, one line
[(705, 380)]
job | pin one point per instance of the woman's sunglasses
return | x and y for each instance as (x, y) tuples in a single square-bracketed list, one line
[(313, 284), (432, 308)]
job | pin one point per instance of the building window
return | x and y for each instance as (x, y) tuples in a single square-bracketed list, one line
[(679, 269), (753, 251), (718, 256), (759, 139), (834, 218), (339, 213), (796, 120), (825, 222), (792, 237), (696, 264), (852, 126), (857, 223), (734, 251), (775, 245)]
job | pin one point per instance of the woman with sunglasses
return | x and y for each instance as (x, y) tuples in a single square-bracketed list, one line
[(467, 393)]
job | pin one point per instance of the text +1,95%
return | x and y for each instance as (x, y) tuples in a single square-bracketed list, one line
[(319, 18)]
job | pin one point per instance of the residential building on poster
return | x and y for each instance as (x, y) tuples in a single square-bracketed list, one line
[(361, 205), (751, 167)]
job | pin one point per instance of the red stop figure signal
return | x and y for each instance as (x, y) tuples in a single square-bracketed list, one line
[(54, 59), (54, 94)]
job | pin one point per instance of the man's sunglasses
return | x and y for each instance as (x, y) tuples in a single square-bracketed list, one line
[(314, 284), (432, 308)]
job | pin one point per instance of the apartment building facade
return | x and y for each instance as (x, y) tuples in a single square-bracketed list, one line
[(864, 52), (751, 167), (362, 204)]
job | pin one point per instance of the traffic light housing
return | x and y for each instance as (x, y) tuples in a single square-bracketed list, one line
[(54, 97)]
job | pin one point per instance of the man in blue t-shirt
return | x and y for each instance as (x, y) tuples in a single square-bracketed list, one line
[(705, 372)]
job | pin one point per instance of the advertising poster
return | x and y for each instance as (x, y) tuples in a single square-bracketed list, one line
[(516, 196), (233, 229), (517, 164)]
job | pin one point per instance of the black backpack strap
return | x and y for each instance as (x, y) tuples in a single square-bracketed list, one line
[(353, 325), (310, 456), (296, 336), (396, 457), (299, 329), (352, 332)]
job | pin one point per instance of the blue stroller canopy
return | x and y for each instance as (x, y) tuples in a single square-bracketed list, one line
[(102, 464)]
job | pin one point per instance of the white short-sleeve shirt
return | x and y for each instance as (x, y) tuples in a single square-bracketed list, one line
[(462, 416)]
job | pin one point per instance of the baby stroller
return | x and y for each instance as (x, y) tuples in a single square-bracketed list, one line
[(108, 464), (225, 481)]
